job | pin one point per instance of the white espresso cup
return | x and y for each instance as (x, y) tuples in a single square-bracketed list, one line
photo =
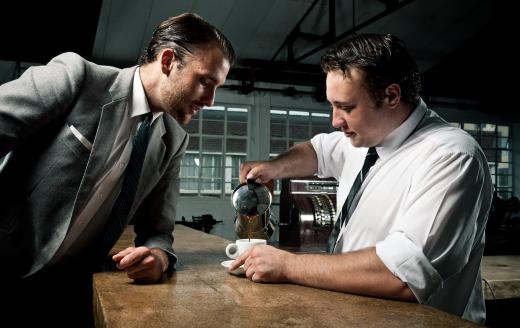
[(241, 245)]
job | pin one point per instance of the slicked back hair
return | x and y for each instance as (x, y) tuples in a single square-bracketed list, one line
[(185, 34)]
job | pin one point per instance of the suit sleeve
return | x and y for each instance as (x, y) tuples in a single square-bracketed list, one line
[(38, 97)]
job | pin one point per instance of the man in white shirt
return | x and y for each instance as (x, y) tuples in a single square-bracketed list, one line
[(415, 228)]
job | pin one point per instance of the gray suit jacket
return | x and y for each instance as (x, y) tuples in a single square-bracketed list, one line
[(46, 174)]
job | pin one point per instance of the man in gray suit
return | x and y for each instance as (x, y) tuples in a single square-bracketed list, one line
[(66, 135)]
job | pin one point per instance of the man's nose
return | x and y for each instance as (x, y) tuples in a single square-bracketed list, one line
[(209, 98), (337, 120)]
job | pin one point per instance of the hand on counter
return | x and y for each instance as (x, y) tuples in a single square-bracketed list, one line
[(263, 263), (142, 264)]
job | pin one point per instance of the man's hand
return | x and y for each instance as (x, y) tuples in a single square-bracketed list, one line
[(142, 264), (261, 171), (263, 263)]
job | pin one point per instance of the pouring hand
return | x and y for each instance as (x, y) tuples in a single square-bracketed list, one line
[(261, 171)]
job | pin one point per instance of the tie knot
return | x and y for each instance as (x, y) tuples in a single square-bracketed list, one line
[(372, 151), (371, 154), (147, 118), (370, 159)]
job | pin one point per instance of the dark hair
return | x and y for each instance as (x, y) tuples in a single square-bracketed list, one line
[(383, 59), (185, 34)]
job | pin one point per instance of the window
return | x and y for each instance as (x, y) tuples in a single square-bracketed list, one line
[(217, 147), (291, 127), (495, 140)]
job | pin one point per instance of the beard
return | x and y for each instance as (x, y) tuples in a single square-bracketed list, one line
[(177, 104)]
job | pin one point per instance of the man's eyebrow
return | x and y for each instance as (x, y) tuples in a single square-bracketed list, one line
[(342, 103)]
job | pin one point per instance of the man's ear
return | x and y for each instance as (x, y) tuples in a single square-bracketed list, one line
[(167, 59), (393, 94)]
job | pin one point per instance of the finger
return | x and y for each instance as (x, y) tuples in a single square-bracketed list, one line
[(143, 275), (134, 257), (240, 260), (117, 257), (244, 169), (145, 264), (250, 272)]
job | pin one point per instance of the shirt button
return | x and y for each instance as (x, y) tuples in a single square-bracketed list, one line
[(99, 195), (121, 165)]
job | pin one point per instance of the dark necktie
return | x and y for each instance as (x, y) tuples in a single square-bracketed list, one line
[(118, 218), (370, 159)]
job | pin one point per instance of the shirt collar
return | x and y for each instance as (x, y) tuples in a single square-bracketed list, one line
[(396, 138), (138, 103)]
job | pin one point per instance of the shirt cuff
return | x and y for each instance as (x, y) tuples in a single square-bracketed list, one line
[(407, 261)]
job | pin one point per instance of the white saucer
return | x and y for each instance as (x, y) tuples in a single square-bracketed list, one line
[(237, 272)]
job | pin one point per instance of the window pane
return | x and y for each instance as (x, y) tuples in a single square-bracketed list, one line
[(210, 187), (213, 122), (488, 141), (505, 168), (193, 126), (505, 156), (237, 128), (190, 166), (320, 124), (505, 194), (211, 144), (488, 128), (278, 130), (503, 131), (505, 181), (504, 143), (193, 143), (471, 128), (490, 155), (298, 131), (211, 166), (278, 146), (234, 145), (189, 185)]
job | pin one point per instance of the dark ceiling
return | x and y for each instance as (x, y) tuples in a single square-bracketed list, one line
[(483, 69), (36, 31)]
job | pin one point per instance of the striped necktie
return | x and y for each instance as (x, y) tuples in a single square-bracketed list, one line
[(370, 159), (118, 218)]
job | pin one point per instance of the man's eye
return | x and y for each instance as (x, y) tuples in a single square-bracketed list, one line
[(204, 82)]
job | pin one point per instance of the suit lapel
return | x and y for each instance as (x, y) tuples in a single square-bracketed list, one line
[(111, 117)]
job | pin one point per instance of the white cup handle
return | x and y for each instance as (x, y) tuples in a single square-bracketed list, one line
[(232, 251)]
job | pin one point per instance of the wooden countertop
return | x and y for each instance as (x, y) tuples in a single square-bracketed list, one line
[(201, 293), (501, 276)]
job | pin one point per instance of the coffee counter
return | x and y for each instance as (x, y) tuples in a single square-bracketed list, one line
[(201, 293), (501, 275)]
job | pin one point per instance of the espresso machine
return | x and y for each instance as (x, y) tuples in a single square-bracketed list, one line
[(307, 211)]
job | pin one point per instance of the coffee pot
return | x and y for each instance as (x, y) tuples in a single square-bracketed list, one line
[(252, 202)]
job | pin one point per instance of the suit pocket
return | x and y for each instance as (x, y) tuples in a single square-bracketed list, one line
[(72, 140), (84, 141)]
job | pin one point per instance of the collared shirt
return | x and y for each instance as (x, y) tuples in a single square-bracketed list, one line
[(108, 184), (423, 205)]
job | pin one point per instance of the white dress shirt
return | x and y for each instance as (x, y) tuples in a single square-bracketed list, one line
[(82, 230), (423, 205)]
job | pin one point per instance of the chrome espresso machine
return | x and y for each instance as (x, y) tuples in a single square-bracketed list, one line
[(307, 211)]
